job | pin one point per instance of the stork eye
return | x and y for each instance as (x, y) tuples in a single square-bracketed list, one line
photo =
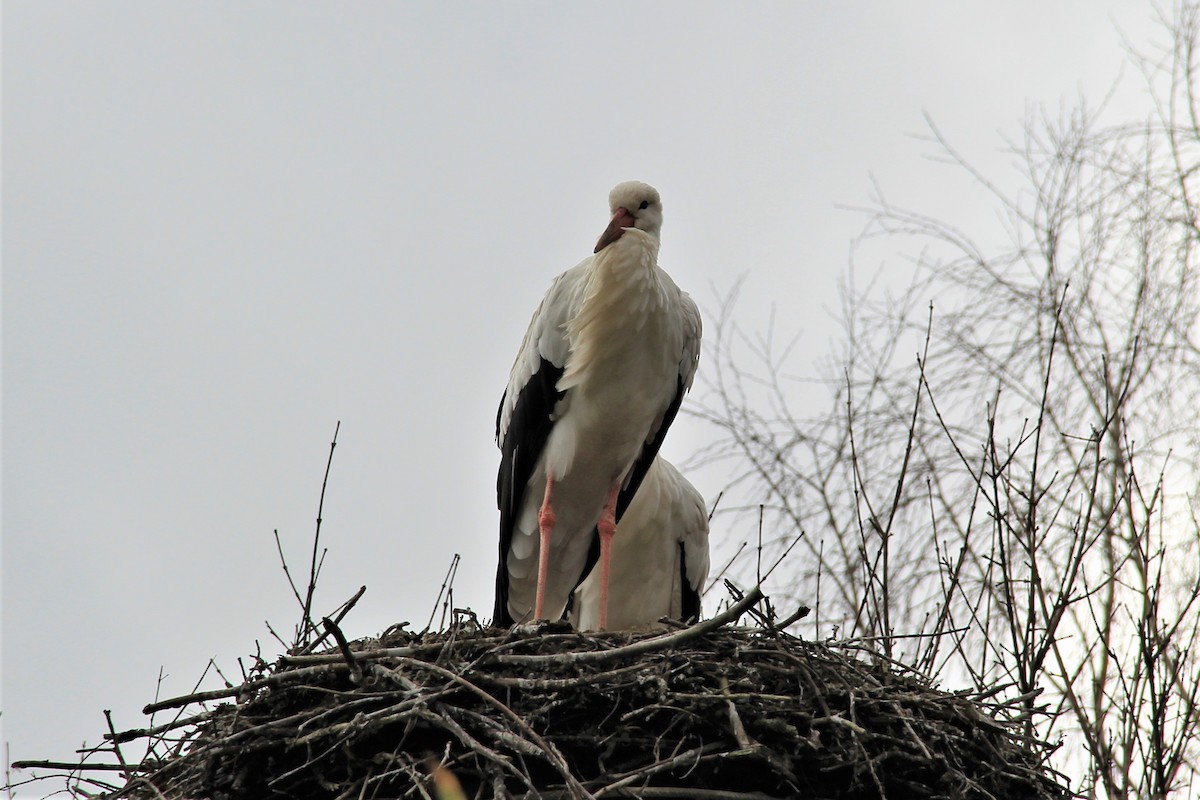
[(645, 204)]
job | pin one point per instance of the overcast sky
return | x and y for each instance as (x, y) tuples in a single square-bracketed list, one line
[(228, 226)]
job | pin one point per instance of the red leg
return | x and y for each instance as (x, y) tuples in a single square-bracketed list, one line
[(607, 525), (546, 520)]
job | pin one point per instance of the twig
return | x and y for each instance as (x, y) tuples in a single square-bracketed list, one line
[(116, 746), (306, 623), (287, 572), (333, 630), (448, 580), (248, 688), (655, 644), (76, 766), (735, 724), (658, 766), (721, 573), (149, 733), (551, 751), (669, 792), (799, 614), (337, 620)]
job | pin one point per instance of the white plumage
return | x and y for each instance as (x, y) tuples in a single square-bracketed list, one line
[(597, 381), (659, 557)]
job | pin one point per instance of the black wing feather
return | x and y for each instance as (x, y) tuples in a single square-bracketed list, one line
[(649, 452), (528, 428), (690, 607)]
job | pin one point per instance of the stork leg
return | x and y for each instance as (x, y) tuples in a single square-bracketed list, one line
[(546, 519), (607, 525)]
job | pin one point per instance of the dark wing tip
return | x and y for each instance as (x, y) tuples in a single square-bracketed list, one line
[(690, 607), (529, 426)]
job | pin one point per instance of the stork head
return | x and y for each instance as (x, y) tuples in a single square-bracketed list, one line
[(633, 205)]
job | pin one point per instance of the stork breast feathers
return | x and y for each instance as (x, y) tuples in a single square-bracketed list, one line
[(622, 293)]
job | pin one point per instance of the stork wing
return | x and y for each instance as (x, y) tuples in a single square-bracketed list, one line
[(690, 529), (693, 562), (694, 543), (526, 413), (688, 360)]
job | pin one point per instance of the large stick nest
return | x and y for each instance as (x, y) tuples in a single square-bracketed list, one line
[(706, 711)]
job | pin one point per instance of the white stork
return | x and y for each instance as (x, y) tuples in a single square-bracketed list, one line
[(659, 557), (598, 380)]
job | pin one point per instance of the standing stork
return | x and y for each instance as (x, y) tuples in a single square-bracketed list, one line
[(659, 558), (598, 380)]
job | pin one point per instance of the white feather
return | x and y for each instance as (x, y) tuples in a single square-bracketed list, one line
[(645, 580)]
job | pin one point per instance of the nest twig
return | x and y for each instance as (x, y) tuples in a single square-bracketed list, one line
[(709, 711)]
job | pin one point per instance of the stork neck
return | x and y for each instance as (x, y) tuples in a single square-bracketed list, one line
[(623, 291), (635, 252)]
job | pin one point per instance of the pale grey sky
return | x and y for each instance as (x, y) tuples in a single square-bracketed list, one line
[(229, 225)]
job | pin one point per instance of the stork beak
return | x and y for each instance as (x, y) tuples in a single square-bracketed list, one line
[(621, 220)]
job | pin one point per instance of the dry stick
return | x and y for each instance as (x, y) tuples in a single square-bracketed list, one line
[(306, 623), (673, 792), (150, 748), (645, 645), (860, 492), (554, 684), (319, 663), (147, 733), (397, 712), (758, 576), (886, 533), (447, 580), (820, 571), (650, 769), (278, 679), (116, 746), (1022, 640), (77, 782), (337, 620), (279, 638), (551, 752), (146, 782), (287, 572), (496, 730), (332, 629), (786, 553), (767, 620), (724, 569), (799, 614), (362, 655), (408, 650), (926, 661), (479, 747), (70, 766), (739, 729), (313, 759), (716, 503)]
